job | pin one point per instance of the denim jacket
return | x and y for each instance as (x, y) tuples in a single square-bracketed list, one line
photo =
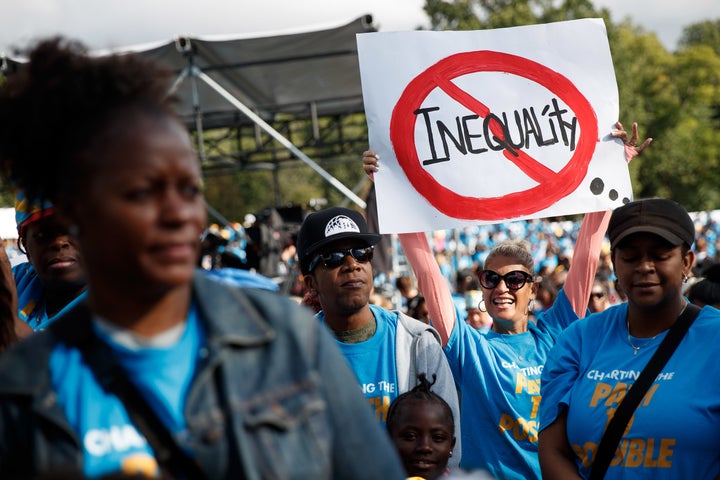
[(272, 398)]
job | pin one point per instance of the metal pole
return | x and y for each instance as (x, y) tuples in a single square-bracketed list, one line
[(184, 46), (277, 136)]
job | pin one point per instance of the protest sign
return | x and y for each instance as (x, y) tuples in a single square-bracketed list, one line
[(492, 125)]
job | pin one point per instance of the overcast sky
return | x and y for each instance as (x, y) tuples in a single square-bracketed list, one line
[(120, 23)]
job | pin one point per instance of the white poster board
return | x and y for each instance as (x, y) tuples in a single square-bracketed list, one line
[(493, 125)]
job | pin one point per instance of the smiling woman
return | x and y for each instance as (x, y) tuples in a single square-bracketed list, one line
[(159, 370), (500, 370)]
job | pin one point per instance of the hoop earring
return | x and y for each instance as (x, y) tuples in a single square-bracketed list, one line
[(482, 307), (530, 306), (685, 278)]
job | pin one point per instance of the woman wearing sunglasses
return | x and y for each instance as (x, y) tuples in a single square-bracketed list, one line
[(498, 374)]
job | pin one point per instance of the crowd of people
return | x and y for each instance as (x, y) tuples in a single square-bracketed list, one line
[(514, 351), (552, 242)]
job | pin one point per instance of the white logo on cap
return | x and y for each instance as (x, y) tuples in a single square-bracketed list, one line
[(340, 224)]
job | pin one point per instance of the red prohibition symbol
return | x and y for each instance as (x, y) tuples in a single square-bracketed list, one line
[(552, 186)]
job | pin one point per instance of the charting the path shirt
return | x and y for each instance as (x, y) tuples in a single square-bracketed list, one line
[(110, 441), (374, 362), (675, 430), (499, 377)]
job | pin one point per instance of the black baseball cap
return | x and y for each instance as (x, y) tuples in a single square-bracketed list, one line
[(327, 226), (660, 216)]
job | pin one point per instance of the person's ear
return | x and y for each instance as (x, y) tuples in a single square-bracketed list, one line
[(688, 262), (310, 283)]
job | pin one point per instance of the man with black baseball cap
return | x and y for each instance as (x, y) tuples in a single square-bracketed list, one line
[(386, 349), (329, 226)]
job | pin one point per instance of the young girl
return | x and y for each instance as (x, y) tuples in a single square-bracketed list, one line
[(420, 423)]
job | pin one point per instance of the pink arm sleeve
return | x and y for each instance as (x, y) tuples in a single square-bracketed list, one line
[(431, 283), (579, 281), (581, 274)]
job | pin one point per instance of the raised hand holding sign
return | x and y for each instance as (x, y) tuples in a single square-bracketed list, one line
[(488, 126)]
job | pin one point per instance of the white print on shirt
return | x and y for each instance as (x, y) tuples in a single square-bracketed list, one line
[(102, 441), (621, 375), (532, 370), (380, 403), (381, 386)]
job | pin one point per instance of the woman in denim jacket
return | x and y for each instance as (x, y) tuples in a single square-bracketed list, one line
[(160, 371)]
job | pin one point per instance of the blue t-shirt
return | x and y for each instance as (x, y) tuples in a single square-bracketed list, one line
[(374, 362), (460, 306), (241, 278), (30, 290), (675, 431), (109, 440), (499, 380)]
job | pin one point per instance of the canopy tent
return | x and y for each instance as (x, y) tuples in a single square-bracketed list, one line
[(291, 73), (257, 80)]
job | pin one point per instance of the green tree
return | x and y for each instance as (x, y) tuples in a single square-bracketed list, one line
[(457, 15), (674, 97), (485, 14), (686, 163), (703, 33)]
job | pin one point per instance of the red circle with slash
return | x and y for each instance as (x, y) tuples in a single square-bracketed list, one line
[(551, 186)]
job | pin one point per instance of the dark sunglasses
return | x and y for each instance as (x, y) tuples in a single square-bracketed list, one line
[(597, 294), (514, 280), (336, 258)]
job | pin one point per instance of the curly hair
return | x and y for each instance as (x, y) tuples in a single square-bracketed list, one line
[(55, 106), (421, 392)]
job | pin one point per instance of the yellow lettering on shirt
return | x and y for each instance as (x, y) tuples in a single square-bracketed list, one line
[(27, 309), (520, 428), (602, 390), (535, 405), (523, 383), (583, 452), (649, 395), (617, 394), (632, 453), (381, 406)]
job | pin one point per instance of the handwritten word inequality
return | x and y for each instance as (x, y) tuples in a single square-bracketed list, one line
[(473, 135)]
